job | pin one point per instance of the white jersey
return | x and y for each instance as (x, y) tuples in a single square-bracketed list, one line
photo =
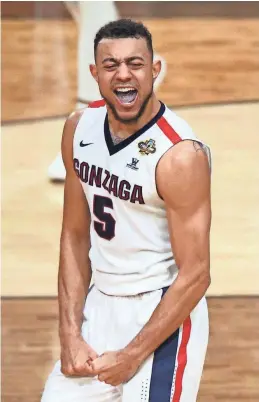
[(130, 244)]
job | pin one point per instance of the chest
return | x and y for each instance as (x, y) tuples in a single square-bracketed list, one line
[(128, 174)]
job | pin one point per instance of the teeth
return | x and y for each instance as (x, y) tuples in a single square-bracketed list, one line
[(125, 89)]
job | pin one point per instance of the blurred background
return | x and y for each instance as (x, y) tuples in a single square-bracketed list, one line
[(210, 53)]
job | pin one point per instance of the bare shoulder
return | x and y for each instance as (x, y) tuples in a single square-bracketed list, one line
[(183, 169), (183, 157), (68, 136), (71, 124)]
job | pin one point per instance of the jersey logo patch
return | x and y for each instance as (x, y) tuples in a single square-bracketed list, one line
[(82, 144), (147, 147), (133, 164)]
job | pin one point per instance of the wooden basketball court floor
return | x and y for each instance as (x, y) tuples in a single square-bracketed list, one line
[(31, 219)]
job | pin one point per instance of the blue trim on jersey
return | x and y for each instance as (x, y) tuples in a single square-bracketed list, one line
[(163, 368)]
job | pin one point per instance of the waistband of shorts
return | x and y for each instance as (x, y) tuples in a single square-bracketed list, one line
[(137, 296)]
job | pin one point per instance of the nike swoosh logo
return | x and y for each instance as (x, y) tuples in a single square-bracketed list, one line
[(85, 145)]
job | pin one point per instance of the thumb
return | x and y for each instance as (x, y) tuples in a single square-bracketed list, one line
[(92, 354)]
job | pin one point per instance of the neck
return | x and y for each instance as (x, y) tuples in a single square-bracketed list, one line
[(125, 130)]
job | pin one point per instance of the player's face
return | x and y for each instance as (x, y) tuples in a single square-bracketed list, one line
[(125, 74)]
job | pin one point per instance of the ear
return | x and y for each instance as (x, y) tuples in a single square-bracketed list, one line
[(156, 68), (93, 71)]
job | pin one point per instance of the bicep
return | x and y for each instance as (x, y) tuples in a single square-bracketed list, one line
[(189, 229), (186, 193), (76, 214)]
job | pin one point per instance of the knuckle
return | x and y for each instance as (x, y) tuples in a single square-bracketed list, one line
[(67, 370), (78, 368)]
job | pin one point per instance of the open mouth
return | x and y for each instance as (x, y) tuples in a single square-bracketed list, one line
[(126, 96)]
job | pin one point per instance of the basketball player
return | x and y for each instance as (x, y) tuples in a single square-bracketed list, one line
[(89, 17), (137, 218)]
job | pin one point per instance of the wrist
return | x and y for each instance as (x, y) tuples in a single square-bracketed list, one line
[(69, 336), (135, 352)]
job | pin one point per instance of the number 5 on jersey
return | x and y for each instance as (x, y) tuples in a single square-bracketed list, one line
[(105, 227)]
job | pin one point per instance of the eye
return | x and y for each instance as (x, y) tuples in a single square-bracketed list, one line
[(136, 65), (110, 67)]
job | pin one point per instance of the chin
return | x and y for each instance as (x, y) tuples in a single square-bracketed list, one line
[(123, 115), (126, 117)]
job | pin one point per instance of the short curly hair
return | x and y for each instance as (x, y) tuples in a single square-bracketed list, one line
[(124, 28)]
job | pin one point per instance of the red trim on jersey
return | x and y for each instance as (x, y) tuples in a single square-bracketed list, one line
[(96, 104), (182, 359), (168, 130)]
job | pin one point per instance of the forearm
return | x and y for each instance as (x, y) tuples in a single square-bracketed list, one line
[(176, 305), (73, 283)]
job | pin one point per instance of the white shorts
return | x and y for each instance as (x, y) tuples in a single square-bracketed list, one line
[(171, 374)]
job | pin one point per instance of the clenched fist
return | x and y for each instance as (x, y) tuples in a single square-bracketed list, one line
[(115, 368), (76, 356)]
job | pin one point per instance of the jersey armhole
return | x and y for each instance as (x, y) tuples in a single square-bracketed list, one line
[(156, 165), (78, 126)]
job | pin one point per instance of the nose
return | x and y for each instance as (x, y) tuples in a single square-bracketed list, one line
[(123, 72)]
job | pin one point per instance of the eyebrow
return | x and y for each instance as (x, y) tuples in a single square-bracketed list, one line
[(128, 59)]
